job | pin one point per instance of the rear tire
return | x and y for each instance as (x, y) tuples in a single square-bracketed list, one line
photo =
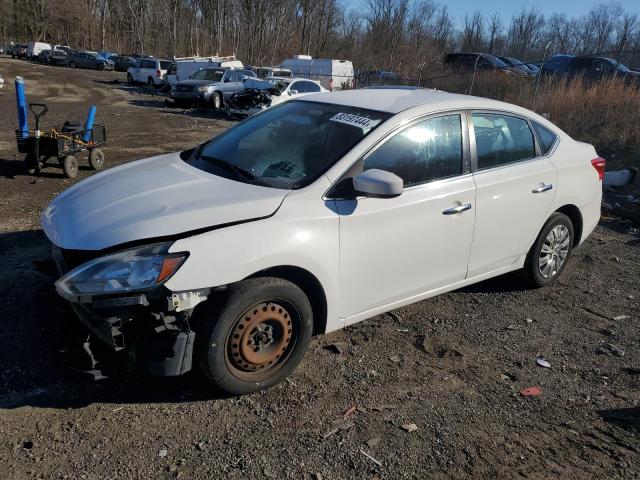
[(72, 65), (151, 84), (255, 336), (551, 251), (70, 166), (96, 159), (129, 79)]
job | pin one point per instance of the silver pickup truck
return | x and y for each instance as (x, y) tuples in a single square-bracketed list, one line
[(210, 86)]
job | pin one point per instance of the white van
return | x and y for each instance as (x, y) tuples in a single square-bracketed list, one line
[(184, 67), (332, 74), (34, 48)]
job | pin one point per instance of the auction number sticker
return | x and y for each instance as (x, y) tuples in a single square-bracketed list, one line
[(364, 123)]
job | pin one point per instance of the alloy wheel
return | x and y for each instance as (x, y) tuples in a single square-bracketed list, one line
[(554, 251)]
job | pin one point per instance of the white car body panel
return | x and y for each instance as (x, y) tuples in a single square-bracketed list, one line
[(110, 208), (366, 253), (34, 48)]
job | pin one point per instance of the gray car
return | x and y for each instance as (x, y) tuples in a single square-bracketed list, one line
[(210, 86), (89, 60)]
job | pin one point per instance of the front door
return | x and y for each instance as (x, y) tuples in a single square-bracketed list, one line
[(393, 249), (515, 190)]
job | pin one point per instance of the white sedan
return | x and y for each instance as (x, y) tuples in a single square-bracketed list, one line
[(313, 215)]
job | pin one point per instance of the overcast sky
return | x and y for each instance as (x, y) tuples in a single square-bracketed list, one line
[(572, 8)]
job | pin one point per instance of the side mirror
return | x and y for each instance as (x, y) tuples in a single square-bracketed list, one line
[(378, 183), (293, 92)]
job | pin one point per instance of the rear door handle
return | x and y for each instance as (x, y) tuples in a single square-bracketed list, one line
[(458, 209), (542, 188)]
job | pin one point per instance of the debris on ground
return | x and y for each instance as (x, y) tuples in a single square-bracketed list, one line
[(620, 317), (409, 427), (541, 361), (610, 348), (338, 347), (531, 391), (377, 462), (373, 442), (163, 453)]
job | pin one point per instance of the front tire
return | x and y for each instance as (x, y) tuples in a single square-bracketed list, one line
[(70, 166), (216, 100), (256, 336), (550, 252), (72, 65), (96, 159)]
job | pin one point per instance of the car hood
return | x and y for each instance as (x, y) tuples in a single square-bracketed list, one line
[(197, 83), (151, 198)]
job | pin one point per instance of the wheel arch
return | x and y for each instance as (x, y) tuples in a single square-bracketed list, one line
[(311, 287), (575, 216)]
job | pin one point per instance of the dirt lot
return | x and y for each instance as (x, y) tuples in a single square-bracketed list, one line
[(452, 365)]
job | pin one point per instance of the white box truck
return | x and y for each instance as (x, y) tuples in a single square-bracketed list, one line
[(184, 67), (34, 48), (332, 74)]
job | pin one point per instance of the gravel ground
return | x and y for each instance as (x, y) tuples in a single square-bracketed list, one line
[(428, 391)]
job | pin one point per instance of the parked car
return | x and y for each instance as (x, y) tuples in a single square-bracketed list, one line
[(593, 69), (148, 70), (259, 95), (517, 65), (210, 86), (468, 62), (19, 50), (122, 63), (184, 67), (34, 48), (88, 60), (314, 215), (60, 55), (43, 56), (556, 65), (332, 74)]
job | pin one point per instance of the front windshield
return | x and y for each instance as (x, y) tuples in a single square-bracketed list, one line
[(287, 146), (213, 75)]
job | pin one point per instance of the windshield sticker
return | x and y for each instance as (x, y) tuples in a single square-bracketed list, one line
[(364, 123)]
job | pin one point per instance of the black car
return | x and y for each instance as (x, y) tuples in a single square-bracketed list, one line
[(43, 56), (59, 55), (556, 65), (518, 65), (89, 60), (593, 69), (123, 62), (465, 62)]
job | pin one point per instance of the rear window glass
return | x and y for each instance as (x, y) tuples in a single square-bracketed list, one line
[(546, 138), (164, 64)]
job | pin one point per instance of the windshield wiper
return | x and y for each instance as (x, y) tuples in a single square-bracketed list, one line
[(239, 172)]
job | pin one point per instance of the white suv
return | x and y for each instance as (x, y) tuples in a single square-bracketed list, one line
[(151, 71), (312, 215)]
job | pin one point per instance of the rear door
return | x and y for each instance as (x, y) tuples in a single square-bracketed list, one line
[(515, 189)]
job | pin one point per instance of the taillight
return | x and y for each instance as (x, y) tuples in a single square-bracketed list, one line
[(159, 73), (331, 84), (599, 164)]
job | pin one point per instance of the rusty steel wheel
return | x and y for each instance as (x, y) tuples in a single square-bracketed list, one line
[(255, 336), (260, 339)]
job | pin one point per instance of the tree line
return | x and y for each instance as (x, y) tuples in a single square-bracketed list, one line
[(404, 36)]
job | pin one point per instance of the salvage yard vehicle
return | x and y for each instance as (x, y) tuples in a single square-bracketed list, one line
[(261, 94), (148, 70), (91, 60), (467, 62), (34, 49), (332, 74), (266, 72), (59, 55), (122, 63), (311, 216), (185, 67), (19, 50), (210, 86)]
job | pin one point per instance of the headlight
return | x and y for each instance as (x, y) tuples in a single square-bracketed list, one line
[(203, 89), (136, 269)]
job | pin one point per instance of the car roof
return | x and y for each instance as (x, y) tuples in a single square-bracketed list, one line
[(396, 99)]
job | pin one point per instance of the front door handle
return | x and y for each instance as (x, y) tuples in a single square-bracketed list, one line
[(542, 188), (458, 209)]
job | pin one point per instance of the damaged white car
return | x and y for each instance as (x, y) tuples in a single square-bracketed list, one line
[(259, 95), (313, 215)]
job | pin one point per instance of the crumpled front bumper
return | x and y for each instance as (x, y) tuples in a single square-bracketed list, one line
[(148, 325)]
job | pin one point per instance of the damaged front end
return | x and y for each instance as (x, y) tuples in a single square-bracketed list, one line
[(256, 97), (122, 299)]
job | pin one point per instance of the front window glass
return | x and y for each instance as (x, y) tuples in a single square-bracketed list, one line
[(287, 146), (428, 150), (501, 139), (206, 74)]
